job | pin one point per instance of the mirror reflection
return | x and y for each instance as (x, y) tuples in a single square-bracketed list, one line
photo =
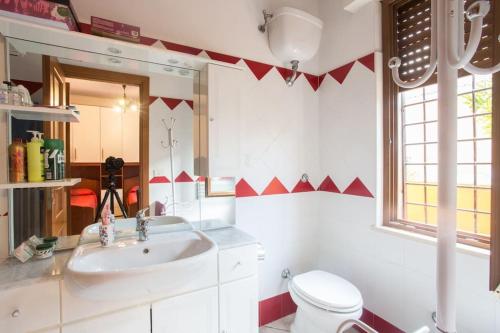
[(132, 147)]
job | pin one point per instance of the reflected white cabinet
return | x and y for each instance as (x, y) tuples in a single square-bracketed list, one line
[(239, 306), (217, 91), (135, 320), (130, 136), (86, 135), (103, 132), (189, 313), (111, 133)]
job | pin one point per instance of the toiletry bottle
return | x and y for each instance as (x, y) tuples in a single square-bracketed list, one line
[(17, 152), (106, 228), (62, 159), (34, 150), (42, 153), (53, 159)]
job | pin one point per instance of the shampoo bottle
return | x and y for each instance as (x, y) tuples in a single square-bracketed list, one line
[(34, 149)]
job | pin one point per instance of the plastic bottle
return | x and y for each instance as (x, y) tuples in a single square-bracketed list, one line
[(54, 159), (35, 154), (17, 152)]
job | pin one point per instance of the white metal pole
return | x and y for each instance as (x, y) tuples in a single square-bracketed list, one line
[(447, 168)]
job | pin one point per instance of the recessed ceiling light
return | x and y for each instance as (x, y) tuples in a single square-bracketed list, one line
[(173, 61), (114, 61), (114, 50), (168, 69), (183, 72)]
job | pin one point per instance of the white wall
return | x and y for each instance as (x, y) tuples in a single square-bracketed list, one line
[(395, 274), (347, 36)]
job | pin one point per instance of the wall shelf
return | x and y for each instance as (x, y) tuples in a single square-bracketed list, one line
[(48, 183), (41, 113)]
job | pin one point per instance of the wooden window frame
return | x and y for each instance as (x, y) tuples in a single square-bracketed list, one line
[(391, 149)]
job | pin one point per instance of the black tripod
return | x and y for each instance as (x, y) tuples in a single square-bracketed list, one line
[(112, 194)]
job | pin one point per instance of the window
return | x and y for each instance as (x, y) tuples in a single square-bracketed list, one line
[(410, 129), (418, 151)]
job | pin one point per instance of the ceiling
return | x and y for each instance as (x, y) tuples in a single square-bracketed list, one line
[(101, 89)]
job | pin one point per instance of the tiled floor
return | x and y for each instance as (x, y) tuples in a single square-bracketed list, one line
[(278, 326), (283, 325)]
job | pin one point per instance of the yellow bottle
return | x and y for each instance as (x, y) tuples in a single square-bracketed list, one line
[(34, 150)]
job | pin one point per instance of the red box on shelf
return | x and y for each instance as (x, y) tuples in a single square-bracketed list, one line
[(116, 30)]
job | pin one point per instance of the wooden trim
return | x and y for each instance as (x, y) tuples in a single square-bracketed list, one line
[(142, 82), (210, 194), (390, 124), (495, 182)]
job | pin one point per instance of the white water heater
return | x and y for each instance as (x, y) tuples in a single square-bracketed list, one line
[(294, 36)]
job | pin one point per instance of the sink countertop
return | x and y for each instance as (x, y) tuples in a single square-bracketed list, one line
[(229, 237), (13, 273)]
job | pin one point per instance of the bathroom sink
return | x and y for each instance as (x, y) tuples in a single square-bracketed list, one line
[(166, 263), (126, 227)]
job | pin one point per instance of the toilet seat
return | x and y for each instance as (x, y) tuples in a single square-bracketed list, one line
[(327, 291)]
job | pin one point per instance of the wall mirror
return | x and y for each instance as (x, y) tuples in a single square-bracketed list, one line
[(138, 111)]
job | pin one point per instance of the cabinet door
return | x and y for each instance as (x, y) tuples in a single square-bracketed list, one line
[(239, 306), (130, 138), (111, 133), (191, 313), (86, 136), (135, 320), (30, 308), (217, 119)]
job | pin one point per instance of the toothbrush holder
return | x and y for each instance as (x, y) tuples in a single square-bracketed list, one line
[(106, 234)]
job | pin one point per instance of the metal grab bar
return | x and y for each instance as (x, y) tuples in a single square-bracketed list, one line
[(349, 322)]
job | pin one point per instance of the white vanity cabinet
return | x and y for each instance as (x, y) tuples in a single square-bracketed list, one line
[(134, 320), (217, 121), (188, 313), (31, 308), (239, 306), (238, 290)]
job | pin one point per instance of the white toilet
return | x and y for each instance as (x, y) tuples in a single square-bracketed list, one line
[(324, 301)]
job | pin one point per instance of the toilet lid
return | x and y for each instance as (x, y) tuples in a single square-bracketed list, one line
[(328, 291)]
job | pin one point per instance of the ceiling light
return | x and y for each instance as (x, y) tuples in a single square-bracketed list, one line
[(125, 104)]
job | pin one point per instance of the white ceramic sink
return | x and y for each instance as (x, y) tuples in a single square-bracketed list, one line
[(166, 263), (126, 227)]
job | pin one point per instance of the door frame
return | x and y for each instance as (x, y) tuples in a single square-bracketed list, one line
[(93, 74)]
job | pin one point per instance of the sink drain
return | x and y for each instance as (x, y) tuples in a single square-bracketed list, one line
[(145, 251)]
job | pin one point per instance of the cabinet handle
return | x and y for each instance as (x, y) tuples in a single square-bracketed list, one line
[(102, 154), (15, 313), (75, 155)]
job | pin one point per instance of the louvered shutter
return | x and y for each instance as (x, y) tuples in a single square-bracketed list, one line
[(413, 38)]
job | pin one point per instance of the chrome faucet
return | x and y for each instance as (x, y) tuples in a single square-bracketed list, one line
[(142, 225)]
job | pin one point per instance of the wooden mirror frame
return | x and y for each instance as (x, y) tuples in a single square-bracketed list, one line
[(92, 74)]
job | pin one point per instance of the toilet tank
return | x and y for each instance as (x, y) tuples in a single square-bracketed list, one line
[(294, 34)]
